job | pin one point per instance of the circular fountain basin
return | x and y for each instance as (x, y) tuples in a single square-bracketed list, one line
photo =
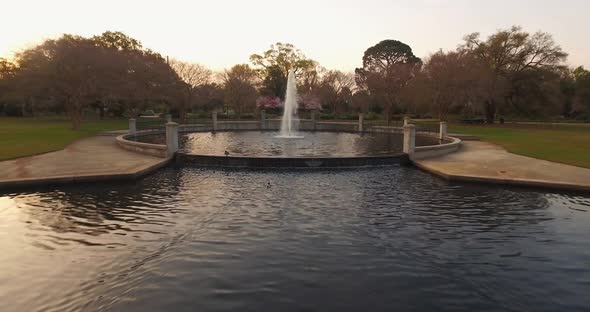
[(263, 149), (305, 144)]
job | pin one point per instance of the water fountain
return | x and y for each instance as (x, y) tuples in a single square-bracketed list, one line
[(281, 144), (289, 123)]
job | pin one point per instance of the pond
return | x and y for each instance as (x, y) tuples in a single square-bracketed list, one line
[(395, 238), (313, 144)]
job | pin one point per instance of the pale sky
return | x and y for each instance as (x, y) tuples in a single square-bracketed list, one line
[(221, 33)]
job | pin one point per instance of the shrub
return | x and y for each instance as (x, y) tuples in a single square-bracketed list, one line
[(248, 116), (583, 116), (327, 116), (12, 109), (372, 116)]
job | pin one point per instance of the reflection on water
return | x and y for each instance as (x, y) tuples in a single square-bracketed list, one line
[(326, 144), (190, 239)]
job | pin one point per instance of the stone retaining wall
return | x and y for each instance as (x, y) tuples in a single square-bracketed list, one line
[(289, 162), (158, 150), (450, 145)]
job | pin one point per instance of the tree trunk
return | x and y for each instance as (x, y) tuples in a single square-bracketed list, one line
[(32, 101), (182, 114), (104, 103), (76, 123), (75, 111), (185, 106), (387, 112), (490, 110)]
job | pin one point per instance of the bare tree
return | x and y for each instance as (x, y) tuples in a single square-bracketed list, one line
[(239, 84), (79, 72), (450, 79), (193, 76), (7, 72), (69, 67), (508, 53), (334, 88)]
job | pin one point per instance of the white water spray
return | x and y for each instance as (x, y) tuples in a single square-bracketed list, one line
[(289, 123)]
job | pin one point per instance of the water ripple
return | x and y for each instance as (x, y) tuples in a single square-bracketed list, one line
[(219, 240)]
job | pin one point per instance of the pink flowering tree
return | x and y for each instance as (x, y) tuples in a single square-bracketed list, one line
[(268, 103)]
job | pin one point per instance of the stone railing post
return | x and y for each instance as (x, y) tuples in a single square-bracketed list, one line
[(406, 120), (171, 138), (132, 126), (214, 115), (168, 118), (443, 130), (361, 122), (409, 140), (262, 120)]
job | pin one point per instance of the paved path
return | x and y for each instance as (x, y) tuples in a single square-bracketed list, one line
[(486, 162), (91, 159)]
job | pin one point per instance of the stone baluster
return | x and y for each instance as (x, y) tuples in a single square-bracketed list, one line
[(443, 130), (409, 140), (132, 126), (171, 138)]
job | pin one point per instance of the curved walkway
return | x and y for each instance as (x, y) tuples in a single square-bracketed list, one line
[(486, 162), (100, 158), (91, 159)]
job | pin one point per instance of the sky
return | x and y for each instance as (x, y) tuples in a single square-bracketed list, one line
[(222, 33)]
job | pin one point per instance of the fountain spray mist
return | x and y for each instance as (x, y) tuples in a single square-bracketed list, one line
[(289, 124)]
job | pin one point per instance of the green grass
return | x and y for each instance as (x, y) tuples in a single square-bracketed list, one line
[(29, 136), (563, 143)]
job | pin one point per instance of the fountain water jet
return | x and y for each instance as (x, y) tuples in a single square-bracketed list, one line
[(289, 123)]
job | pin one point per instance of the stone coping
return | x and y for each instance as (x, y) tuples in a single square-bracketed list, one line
[(483, 162), (519, 182), (450, 145), (83, 178), (158, 150), (92, 159)]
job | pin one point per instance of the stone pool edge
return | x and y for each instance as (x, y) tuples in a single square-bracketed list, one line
[(436, 167), (83, 178), (187, 159)]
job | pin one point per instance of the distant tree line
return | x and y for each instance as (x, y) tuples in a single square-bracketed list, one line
[(511, 73), (109, 73)]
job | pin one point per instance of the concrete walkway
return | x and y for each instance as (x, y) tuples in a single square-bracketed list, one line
[(91, 159), (486, 162)]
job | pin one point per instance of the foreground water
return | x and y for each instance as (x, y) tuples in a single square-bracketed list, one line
[(373, 240)]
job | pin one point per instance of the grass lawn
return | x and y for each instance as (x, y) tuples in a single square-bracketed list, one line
[(563, 143), (28, 136)]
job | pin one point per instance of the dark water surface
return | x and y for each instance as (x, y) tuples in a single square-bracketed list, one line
[(266, 143), (393, 239)]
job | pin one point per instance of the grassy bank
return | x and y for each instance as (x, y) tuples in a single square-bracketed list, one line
[(563, 143), (28, 136)]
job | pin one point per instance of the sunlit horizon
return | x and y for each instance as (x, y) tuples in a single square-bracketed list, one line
[(334, 33)]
